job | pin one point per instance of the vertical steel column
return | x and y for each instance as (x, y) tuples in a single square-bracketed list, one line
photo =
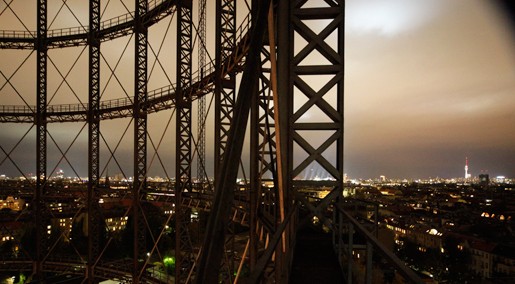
[(340, 249), (201, 143), (334, 113), (285, 43), (41, 138), (263, 128), (350, 244), (212, 249), (224, 87), (284, 88), (183, 247), (340, 20), (264, 133), (225, 95), (93, 137), (369, 270), (283, 91), (329, 91), (266, 128), (255, 182), (255, 177), (140, 134), (376, 220), (293, 89)]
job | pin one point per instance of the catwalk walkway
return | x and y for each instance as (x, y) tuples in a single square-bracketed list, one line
[(314, 260)]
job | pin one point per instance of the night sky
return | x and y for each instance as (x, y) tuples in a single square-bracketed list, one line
[(428, 83)]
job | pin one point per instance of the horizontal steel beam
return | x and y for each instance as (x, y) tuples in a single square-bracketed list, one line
[(78, 36)]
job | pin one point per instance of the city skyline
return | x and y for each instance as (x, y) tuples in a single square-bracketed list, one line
[(428, 83), (315, 173)]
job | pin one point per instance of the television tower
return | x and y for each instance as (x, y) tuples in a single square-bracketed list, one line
[(467, 175)]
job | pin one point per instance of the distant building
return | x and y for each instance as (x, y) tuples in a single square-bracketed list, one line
[(490, 260), (500, 179), (504, 264), (65, 227), (424, 237), (59, 174), (12, 203), (11, 231), (482, 257), (116, 223), (484, 180)]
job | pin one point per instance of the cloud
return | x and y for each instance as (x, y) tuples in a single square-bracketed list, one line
[(389, 17)]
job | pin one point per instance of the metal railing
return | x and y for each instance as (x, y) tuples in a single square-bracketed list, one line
[(242, 30), (61, 32), (345, 225), (17, 34), (17, 109), (64, 108), (153, 95), (122, 19)]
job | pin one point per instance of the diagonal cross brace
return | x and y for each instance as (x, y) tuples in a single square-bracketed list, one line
[(215, 233)]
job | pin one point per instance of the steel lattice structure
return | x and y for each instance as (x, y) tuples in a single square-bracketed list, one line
[(276, 78)]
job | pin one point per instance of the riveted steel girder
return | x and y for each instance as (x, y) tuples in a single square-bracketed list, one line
[(212, 248), (94, 216), (41, 138), (225, 83), (140, 136), (183, 182)]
